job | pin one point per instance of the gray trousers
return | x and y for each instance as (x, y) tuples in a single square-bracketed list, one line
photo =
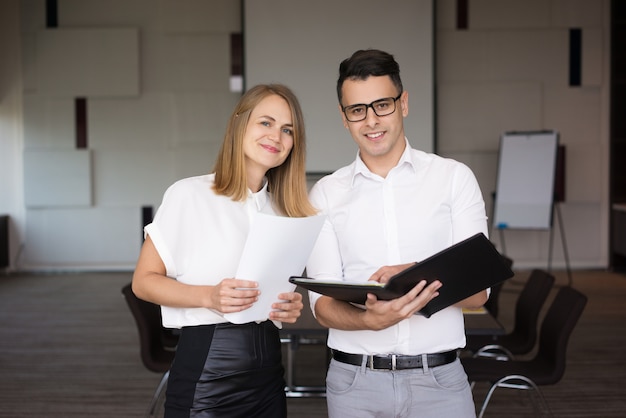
[(440, 392)]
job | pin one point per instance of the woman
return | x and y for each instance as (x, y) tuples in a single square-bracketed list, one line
[(222, 369)]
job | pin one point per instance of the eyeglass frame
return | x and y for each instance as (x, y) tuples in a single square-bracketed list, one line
[(343, 108)]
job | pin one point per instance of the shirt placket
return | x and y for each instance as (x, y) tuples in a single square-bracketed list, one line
[(393, 251), (391, 223)]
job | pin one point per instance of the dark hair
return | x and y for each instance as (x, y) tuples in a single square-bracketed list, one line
[(368, 62)]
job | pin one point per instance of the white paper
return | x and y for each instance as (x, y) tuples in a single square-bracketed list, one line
[(277, 247)]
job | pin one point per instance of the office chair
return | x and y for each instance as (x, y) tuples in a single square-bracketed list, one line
[(157, 344), (548, 365), (492, 303), (521, 340)]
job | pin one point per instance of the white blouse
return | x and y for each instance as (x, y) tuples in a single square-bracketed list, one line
[(200, 236)]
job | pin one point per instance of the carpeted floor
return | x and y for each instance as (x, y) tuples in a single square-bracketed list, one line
[(69, 348)]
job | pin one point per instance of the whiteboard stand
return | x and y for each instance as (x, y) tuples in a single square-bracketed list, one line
[(525, 191), (557, 213)]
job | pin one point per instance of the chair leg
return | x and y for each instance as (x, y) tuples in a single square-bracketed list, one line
[(157, 395), (542, 401), (494, 351), (506, 382), (486, 401)]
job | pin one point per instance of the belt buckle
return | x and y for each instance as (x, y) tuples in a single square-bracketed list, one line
[(393, 357)]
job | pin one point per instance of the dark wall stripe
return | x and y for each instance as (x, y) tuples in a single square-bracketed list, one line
[(4, 241), (80, 105), (52, 18), (575, 56), (236, 54), (462, 14)]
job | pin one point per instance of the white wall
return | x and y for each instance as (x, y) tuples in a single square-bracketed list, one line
[(508, 71), (308, 59), (155, 75)]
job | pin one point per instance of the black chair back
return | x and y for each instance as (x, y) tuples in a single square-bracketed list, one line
[(523, 336), (155, 341), (527, 310), (548, 365), (556, 329)]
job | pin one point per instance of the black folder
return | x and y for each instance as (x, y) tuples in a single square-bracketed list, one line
[(464, 269)]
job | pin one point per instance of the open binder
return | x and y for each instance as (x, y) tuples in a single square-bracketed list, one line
[(464, 269)]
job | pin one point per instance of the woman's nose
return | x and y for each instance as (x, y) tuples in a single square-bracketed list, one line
[(274, 135)]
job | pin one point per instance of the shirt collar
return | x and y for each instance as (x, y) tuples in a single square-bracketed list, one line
[(361, 170), (261, 197)]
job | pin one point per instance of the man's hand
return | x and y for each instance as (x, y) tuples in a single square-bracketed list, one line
[(381, 314), (383, 274)]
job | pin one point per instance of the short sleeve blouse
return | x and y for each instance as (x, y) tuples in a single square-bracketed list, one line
[(200, 236)]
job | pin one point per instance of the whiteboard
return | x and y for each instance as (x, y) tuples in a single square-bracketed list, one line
[(301, 44), (525, 185)]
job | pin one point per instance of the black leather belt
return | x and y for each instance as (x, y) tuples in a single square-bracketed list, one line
[(395, 361)]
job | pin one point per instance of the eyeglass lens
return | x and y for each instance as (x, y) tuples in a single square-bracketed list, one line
[(381, 107)]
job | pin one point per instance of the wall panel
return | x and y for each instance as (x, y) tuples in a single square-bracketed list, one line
[(133, 178), (57, 178), (99, 238), (142, 122), (88, 62), (48, 121), (473, 115)]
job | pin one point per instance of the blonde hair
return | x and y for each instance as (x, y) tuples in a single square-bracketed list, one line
[(287, 182)]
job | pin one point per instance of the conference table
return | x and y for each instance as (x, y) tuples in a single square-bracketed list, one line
[(481, 322), (307, 331)]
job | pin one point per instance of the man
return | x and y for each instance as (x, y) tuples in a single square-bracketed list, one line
[(391, 207)]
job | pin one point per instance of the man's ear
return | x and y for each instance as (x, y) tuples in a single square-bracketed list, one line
[(404, 100), (343, 116)]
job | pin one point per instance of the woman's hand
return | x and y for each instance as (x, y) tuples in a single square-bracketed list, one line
[(289, 307), (233, 295)]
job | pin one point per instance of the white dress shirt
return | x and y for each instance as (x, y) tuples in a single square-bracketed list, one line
[(425, 204), (200, 236)]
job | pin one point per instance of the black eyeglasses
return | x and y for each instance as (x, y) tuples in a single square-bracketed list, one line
[(381, 107)]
